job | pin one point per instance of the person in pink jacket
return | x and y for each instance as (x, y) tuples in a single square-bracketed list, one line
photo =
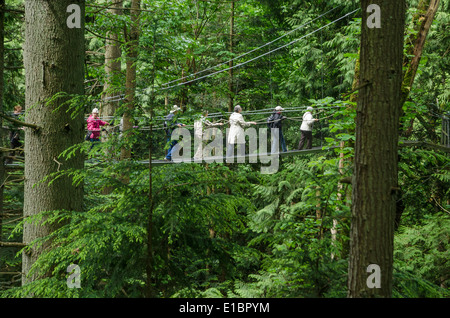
[(93, 126)]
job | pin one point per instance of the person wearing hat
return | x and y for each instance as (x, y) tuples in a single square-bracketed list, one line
[(170, 124), (93, 126), (276, 121), (306, 129), (236, 133), (199, 132)]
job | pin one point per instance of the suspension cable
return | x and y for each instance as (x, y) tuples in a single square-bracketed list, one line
[(121, 97)]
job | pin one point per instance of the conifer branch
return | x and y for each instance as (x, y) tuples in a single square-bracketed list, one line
[(18, 122)]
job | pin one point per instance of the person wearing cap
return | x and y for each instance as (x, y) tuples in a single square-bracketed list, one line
[(236, 133), (169, 125), (276, 121), (306, 129), (93, 126)]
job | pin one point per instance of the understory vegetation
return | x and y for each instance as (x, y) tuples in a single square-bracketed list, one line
[(226, 230)]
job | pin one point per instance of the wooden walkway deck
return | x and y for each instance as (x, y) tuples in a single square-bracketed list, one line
[(247, 158), (254, 157)]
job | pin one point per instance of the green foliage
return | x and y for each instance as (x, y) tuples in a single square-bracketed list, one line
[(422, 255), (109, 240), (223, 230), (423, 177), (295, 241)]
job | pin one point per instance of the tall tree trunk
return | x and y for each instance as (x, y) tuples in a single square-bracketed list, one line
[(53, 60), (112, 63), (150, 262), (230, 81), (376, 150), (113, 67), (2, 67), (132, 55)]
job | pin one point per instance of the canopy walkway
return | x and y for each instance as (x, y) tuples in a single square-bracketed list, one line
[(246, 158), (291, 131), (253, 157), (289, 153)]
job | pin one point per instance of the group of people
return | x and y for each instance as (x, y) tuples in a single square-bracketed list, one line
[(236, 134), (275, 121)]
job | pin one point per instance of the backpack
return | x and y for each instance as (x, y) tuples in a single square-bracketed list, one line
[(169, 119), (270, 123)]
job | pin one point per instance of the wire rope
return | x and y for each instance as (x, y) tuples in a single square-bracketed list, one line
[(121, 97), (260, 56)]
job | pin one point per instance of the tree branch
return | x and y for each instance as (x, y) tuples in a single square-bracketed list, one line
[(356, 89), (347, 180), (412, 143), (18, 122), (12, 244), (104, 37)]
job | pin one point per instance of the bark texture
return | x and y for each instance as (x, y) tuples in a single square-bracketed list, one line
[(376, 149), (2, 63), (112, 65), (132, 55), (53, 60)]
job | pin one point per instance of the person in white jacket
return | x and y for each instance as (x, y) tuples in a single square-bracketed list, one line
[(306, 129), (236, 133), (199, 131)]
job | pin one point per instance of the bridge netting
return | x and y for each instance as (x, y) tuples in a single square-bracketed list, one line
[(143, 136)]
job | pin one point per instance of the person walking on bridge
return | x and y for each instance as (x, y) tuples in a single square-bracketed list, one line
[(306, 129), (275, 121), (171, 123), (236, 133), (93, 126), (200, 134)]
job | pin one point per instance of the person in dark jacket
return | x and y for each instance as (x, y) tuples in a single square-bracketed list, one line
[(14, 135), (170, 124), (276, 121)]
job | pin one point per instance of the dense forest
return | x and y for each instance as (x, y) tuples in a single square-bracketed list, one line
[(109, 217)]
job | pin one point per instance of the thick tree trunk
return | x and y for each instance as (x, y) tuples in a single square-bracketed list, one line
[(54, 60), (376, 150), (2, 66), (132, 55)]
